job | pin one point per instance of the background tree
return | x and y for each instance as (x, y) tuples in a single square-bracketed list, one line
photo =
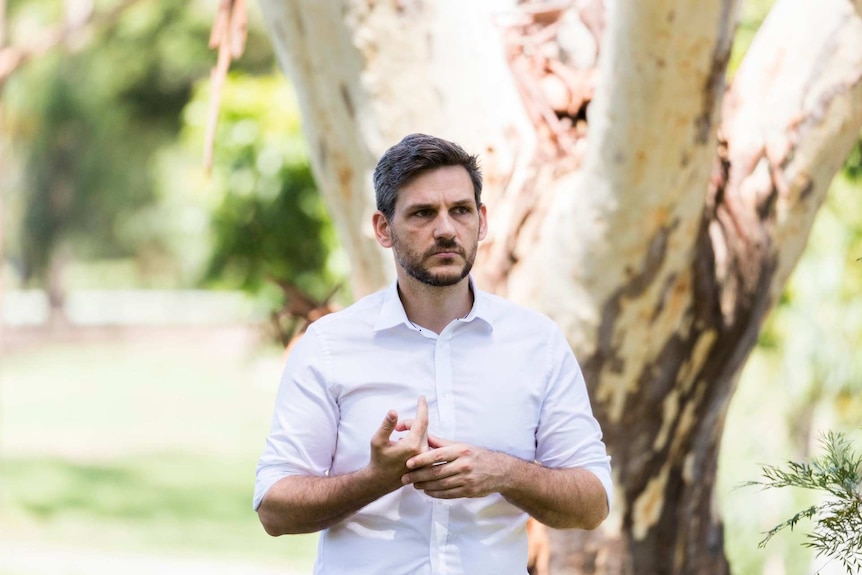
[(89, 122), (655, 234), (79, 18), (271, 234)]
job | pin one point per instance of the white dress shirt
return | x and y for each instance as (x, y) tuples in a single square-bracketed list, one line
[(502, 378)]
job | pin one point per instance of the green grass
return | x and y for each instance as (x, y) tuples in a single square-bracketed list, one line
[(143, 444), (174, 504)]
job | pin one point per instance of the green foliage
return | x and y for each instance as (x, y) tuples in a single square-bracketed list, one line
[(853, 165), (262, 237), (81, 179), (90, 120), (270, 224), (105, 178), (838, 530)]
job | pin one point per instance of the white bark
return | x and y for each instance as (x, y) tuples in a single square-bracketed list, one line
[(793, 114), (630, 217), (370, 73)]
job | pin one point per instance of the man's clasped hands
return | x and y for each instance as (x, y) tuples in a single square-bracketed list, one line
[(442, 468)]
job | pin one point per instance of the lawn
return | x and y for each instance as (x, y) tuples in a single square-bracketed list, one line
[(143, 442)]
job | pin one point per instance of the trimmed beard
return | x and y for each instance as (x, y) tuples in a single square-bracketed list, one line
[(415, 268)]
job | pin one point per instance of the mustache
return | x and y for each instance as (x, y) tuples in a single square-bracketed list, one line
[(445, 245)]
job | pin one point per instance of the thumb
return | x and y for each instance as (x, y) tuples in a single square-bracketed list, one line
[(381, 436)]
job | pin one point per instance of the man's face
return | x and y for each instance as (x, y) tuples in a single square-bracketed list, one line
[(436, 228)]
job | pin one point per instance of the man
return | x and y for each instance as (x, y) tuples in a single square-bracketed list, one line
[(502, 425)]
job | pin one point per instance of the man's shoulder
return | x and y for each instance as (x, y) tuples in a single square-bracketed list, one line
[(360, 314)]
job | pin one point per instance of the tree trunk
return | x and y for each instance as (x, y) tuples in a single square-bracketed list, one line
[(79, 19), (657, 241)]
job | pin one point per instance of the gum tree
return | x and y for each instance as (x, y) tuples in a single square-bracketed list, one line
[(652, 210)]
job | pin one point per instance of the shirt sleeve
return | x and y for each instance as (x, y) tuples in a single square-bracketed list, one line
[(302, 436), (568, 435)]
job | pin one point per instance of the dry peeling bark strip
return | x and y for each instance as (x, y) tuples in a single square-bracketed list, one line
[(228, 35)]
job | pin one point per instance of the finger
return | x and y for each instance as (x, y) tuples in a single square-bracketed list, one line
[(420, 424), (432, 457), (432, 473), (422, 414), (405, 425), (381, 436), (446, 493), (436, 442)]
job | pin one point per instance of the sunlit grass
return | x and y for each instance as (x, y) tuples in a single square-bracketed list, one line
[(178, 504), (143, 443)]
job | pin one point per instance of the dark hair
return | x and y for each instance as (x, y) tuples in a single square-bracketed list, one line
[(413, 155)]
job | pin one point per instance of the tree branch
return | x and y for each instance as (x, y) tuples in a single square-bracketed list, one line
[(791, 117)]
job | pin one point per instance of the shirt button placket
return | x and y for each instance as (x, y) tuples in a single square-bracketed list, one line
[(446, 417)]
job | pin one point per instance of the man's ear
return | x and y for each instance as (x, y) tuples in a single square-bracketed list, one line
[(382, 229), (483, 222)]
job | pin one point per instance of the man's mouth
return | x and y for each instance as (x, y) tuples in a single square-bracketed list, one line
[(446, 253)]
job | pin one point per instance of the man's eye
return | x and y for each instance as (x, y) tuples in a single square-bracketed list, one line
[(422, 213), (461, 210)]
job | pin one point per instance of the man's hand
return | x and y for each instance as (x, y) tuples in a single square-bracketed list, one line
[(304, 504), (560, 498), (451, 470), (388, 458)]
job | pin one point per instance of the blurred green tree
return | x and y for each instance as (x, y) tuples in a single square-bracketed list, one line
[(89, 120), (270, 227)]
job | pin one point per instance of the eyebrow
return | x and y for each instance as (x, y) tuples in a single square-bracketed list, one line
[(417, 207)]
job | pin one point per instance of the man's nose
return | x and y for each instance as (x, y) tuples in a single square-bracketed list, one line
[(444, 227)]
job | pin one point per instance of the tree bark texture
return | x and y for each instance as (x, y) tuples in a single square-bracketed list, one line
[(654, 213)]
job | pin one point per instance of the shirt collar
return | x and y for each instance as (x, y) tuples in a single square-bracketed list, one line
[(392, 310)]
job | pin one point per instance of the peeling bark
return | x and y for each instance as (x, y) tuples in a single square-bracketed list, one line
[(771, 180)]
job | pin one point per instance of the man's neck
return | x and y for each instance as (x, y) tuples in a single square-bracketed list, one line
[(434, 307)]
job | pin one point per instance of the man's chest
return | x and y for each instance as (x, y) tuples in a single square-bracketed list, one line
[(480, 391)]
